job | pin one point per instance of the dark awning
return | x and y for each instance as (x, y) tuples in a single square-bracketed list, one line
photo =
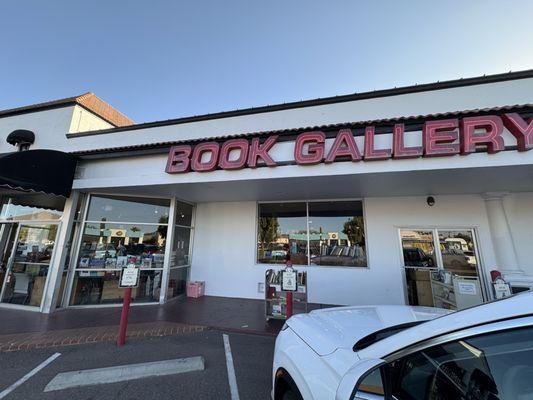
[(42, 171)]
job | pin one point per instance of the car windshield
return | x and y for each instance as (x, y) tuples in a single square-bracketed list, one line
[(383, 334)]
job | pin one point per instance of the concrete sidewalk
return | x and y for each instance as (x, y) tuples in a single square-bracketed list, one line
[(25, 329), (21, 330)]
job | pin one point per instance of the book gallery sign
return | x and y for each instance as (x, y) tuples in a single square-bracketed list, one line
[(444, 137)]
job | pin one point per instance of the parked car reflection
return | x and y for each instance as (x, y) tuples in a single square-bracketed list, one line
[(346, 256), (415, 257)]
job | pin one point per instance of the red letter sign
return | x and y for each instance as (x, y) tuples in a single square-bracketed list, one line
[(370, 152), (438, 137), (199, 150), (261, 151), (399, 149), (234, 144), (521, 130), (178, 159), (315, 149), (344, 145), (493, 127)]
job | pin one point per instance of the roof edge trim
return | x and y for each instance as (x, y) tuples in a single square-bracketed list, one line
[(485, 79)]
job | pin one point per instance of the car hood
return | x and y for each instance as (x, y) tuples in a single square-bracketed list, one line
[(329, 329)]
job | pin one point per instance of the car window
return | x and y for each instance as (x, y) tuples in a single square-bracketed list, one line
[(372, 383), (496, 366)]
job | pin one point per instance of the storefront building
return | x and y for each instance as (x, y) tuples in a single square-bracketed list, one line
[(403, 196)]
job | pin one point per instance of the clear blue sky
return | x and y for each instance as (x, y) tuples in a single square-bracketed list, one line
[(156, 60)]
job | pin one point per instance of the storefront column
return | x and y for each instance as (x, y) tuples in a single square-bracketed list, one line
[(55, 271), (502, 241), (168, 250)]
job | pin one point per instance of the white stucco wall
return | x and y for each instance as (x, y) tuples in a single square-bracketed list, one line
[(224, 247), (83, 120), (49, 126)]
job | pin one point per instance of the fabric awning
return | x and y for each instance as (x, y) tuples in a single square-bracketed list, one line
[(41, 171)]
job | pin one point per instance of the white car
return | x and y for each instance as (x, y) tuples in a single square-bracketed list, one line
[(405, 353)]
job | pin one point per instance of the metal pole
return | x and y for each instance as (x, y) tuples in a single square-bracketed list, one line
[(124, 318)]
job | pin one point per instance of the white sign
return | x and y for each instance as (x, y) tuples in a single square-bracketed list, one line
[(288, 281), (467, 288), (501, 289), (129, 277)]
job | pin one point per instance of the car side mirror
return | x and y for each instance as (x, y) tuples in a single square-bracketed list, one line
[(349, 385)]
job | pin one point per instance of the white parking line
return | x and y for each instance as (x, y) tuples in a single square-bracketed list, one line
[(39, 367), (231, 369), (123, 373)]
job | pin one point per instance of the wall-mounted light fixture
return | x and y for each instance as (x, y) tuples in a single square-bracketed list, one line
[(21, 138)]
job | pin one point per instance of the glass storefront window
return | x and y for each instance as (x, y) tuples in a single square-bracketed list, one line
[(334, 231), (119, 231), (128, 209), (337, 234), (180, 248), (184, 214), (180, 258), (31, 207), (108, 246), (282, 233), (177, 282), (101, 287)]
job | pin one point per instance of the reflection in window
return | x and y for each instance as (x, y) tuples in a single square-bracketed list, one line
[(184, 213), (282, 233), (337, 234), (26, 275), (180, 256), (32, 207), (418, 248), (180, 248), (458, 251), (128, 209), (177, 282), (372, 383), (334, 231)]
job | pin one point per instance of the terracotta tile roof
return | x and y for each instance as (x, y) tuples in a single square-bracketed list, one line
[(104, 110), (87, 100)]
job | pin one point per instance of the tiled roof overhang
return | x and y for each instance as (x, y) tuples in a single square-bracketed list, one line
[(412, 123)]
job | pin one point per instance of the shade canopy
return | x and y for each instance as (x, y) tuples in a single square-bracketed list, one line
[(41, 171)]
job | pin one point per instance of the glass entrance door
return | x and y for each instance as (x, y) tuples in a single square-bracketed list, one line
[(442, 268), (8, 233), (28, 253)]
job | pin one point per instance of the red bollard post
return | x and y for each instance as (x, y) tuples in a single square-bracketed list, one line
[(124, 318), (289, 305)]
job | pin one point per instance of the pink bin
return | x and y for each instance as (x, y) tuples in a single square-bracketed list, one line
[(195, 289)]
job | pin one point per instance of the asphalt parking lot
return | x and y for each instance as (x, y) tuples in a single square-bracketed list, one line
[(252, 360)]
